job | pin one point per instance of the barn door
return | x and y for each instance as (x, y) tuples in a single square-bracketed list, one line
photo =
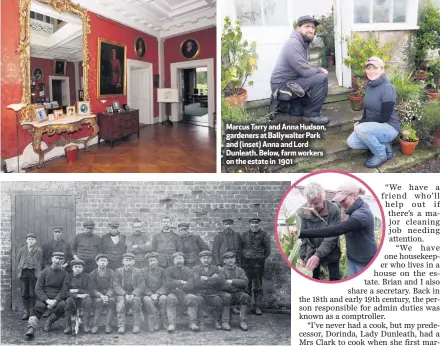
[(38, 214)]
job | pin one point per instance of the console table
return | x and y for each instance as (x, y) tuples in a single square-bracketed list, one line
[(115, 126), (67, 124)]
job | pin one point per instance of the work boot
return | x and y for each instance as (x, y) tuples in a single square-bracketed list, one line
[(200, 321), (375, 161), (192, 315), (258, 296), (95, 329), (226, 326), (258, 311), (49, 322), (121, 330), (226, 315), (171, 328), (243, 325), (151, 323), (31, 326), (86, 323), (26, 309), (171, 316), (318, 120), (108, 321), (136, 329), (121, 323), (389, 150), (68, 324), (136, 322), (217, 325)]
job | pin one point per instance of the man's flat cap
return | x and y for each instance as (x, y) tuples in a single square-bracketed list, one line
[(128, 255), (174, 255), (307, 19), (113, 224), (229, 221), (57, 228), (101, 255), (229, 254), (205, 253), (77, 261), (89, 223), (31, 235), (152, 255), (58, 254), (255, 220), (183, 225)]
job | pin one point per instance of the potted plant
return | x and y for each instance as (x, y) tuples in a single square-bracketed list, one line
[(357, 97), (428, 35), (428, 126), (419, 75), (431, 86), (360, 49), (326, 31), (408, 139), (239, 61)]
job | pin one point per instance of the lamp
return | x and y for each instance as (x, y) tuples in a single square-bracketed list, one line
[(167, 95), (17, 107)]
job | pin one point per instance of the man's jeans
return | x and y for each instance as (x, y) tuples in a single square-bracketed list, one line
[(373, 136), (353, 268)]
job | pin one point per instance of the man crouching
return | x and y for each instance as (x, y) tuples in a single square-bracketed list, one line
[(77, 287)]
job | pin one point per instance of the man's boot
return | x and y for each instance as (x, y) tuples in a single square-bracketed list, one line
[(258, 295), (31, 326), (86, 322), (200, 319), (151, 322), (226, 314), (171, 315), (108, 321), (243, 312), (26, 309), (95, 320), (49, 322), (121, 323), (68, 323), (192, 315), (136, 322)]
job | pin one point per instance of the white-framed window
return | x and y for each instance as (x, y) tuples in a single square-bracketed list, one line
[(384, 15), (262, 12)]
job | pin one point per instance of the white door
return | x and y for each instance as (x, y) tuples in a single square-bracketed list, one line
[(140, 94)]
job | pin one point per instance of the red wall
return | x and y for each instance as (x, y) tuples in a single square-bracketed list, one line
[(47, 66), (207, 41), (11, 73)]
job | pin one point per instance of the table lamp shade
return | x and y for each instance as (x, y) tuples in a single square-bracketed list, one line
[(167, 95)]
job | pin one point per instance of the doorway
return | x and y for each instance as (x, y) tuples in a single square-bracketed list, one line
[(195, 100), (204, 66), (140, 90), (59, 90)]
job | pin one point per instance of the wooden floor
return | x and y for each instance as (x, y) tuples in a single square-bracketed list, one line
[(179, 148)]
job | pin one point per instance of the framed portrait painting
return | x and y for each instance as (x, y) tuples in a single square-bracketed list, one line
[(112, 58), (140, 47), (189, 48), (37, 73), (59, 67)]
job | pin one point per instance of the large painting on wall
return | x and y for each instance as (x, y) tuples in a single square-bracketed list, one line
[(112, 58)]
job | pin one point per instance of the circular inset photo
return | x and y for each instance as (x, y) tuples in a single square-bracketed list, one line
[(189, 48), (329, 226)]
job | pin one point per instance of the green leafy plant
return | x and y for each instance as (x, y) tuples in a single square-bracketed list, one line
[(362, 83), (407, 133), (406, 87), (431, 81), (428, 35), (239, 59), (359, 50), (326, 24), (434, 68), (430, 120)]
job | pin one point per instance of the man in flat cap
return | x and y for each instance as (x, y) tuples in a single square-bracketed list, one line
[(180, 284), (102, 293), (50, 294), (227, 240), (30, 260), (192, 245), (166, 243), (155, 293), (207, 282), (139, 244), (294, 82), (86, 246), (235, 284), (256, 248), (129, 285), (78, 288), (113, 245), (57, 244)]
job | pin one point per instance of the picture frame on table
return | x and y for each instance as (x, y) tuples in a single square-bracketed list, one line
[(58, 114), (39, 113), (116, 106), (70, 111), (83, 107)]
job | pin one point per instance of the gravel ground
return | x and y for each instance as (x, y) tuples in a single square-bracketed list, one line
[(268, 329), (430, 166)]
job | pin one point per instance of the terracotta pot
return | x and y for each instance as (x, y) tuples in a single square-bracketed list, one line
[(437, 137), (356, 102), (419, 76), (330, 60), (432, 94), (407, 148), (238, 99)]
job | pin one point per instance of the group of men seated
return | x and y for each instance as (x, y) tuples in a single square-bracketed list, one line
[(163, 281)]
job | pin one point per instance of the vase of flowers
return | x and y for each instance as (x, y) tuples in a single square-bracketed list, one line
[(408, 139)]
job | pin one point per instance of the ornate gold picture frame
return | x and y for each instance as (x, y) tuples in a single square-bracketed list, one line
[(189, 48)]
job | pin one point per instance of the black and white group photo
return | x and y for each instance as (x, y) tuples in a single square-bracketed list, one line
[(142, 263)]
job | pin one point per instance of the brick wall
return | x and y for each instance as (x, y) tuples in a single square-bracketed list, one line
[(202, 204)]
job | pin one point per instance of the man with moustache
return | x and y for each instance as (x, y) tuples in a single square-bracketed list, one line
[(192, 245), (293, 78), (155, 294), (50, 295), (227, 240), (77, 287), (235, 284), (138, 243), (86, 246), (166, 243), (113, 245), (180, 284), (207, 281), (102, 293), (256, 248), (57, 244), (129, 285)]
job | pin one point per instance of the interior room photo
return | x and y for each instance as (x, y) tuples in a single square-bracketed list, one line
[(108, 86)]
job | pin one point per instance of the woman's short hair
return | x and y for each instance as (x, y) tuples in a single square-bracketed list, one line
[(313, 190)]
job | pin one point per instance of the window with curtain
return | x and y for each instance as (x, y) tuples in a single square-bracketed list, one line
[(262, 12), (380, 11)]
